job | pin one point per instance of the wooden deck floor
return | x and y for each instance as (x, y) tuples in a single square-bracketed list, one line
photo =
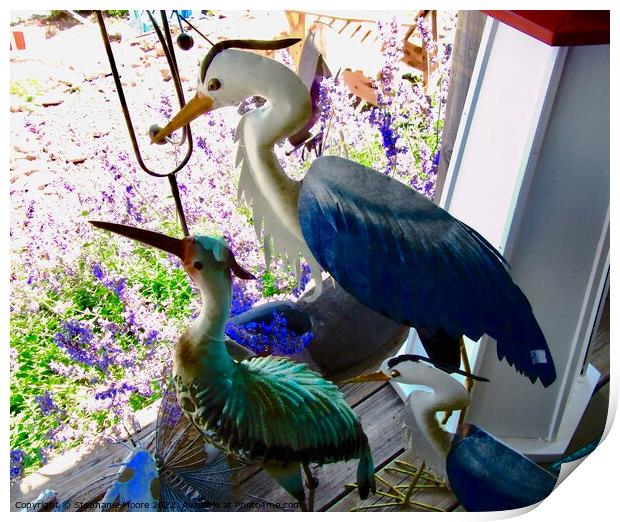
[(380, 410), (377, 405)]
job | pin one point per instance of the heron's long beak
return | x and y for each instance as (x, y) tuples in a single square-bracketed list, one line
[(375, 376), (178, 247), (154, 239), (198, 105)]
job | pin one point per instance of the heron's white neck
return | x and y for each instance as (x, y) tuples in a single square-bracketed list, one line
[(287, 109), (272, 195), (215, 310), (206, 333), (427, 437)]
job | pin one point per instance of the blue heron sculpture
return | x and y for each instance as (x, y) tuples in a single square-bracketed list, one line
[(394, 250)]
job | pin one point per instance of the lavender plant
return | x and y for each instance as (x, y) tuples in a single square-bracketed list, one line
[(94, 318), (401, 135), (269, 337)]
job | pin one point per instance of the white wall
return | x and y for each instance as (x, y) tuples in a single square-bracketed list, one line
[(530, 171)]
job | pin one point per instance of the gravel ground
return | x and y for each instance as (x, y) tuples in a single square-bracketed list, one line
[(61, 83)]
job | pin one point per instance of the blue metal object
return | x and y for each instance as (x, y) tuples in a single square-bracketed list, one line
[(176, 472), (297, 320), (141, 22), (487, 475), (403, 256)]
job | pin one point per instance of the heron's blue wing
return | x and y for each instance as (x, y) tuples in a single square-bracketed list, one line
[(403, 256)]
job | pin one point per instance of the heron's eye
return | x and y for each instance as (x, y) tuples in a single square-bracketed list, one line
[(394, 374), (214, 84), (197, 265)]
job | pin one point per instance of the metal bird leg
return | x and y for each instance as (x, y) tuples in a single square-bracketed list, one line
[(311, 483), (466, 366), (469, 382)]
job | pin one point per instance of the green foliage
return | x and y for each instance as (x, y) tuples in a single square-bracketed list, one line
[(367, 155), (84, 298), (270, 286), (27, 90), (117, 13)]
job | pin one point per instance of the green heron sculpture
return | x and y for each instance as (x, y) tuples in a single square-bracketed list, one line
[(269, 410)]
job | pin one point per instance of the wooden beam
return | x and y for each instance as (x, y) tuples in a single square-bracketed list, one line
[(359, 85), (469, 29), (296, 29)]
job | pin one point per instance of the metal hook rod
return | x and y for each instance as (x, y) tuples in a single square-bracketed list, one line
[(179, 19), (168, 48), (186, 130), (189, 23)]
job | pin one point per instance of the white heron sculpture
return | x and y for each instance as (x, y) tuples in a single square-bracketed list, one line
[(484, 473)]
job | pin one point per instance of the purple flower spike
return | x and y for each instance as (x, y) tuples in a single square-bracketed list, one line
[(46, 403)]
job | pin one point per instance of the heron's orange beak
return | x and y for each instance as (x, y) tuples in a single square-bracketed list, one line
[(197, 106), (375, 376)]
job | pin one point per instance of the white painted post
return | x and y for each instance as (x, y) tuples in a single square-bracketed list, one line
[(530, 172)]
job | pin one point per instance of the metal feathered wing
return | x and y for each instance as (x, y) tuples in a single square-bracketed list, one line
[(279, 410), (404, 257), (278, 240), (193, 476), (88, 498)]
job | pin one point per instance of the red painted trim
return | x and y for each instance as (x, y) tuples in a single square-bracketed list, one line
[(20, 41), (559, 27)]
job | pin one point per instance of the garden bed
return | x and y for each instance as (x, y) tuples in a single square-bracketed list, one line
[(94, 318)]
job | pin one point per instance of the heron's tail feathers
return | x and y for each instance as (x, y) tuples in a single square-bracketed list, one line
[(366, 474)]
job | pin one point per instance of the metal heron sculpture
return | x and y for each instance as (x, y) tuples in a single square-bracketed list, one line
[(484, 473), (269, 410), (394, 250)]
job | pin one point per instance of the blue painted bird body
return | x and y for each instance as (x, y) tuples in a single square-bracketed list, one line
[(405, 257), (395, 251), (487, 475), (137, 487)]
